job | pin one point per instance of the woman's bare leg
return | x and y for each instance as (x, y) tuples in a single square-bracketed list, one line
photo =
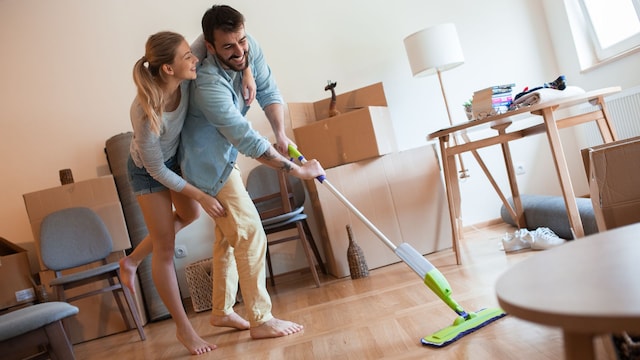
[(162, 224), (186, 211)]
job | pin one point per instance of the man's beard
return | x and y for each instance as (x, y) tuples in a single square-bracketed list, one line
[(232, 65)]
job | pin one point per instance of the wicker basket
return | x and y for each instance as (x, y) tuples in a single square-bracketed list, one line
[(355, 256), (627, 346), (200, 286)]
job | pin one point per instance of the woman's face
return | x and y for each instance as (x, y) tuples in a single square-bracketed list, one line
[(184, 63)]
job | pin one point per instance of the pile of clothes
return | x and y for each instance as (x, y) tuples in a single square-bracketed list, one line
[(548, 91)]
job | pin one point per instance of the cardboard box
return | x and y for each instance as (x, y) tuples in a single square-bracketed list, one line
[(363, 129), (15, 273), (99, 315), (613, 183), (401, 193), (586, 152), (99, 194)]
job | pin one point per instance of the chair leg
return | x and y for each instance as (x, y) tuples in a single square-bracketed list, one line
[(312, 242), (272, 280), (59, 295), (59, 343), (307, 252), (123, 312), (133, 309)]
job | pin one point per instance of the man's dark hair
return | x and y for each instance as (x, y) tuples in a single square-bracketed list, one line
[(221, 17)]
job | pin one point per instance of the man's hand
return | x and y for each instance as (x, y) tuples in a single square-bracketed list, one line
[(311, 170), (282, 145)]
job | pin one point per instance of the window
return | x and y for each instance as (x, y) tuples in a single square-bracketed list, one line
[(613, 25)]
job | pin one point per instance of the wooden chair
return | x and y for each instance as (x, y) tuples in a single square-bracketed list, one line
[(279, 199), (75, 237), (36, 332)]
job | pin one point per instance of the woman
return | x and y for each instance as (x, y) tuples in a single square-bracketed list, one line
[(157, 114)]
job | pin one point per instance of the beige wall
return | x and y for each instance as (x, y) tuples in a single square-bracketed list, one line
[(67, 74)]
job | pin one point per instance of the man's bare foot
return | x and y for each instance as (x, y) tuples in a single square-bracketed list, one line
[(194, 343), (128, 272), (275, 328), (232, 320)]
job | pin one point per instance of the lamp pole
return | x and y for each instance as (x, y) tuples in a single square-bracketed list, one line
[(464, 172)]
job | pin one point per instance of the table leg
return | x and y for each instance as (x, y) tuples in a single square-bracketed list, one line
[(453, 194), (606, 128), (578, 346), (562, 169), (511, 175)]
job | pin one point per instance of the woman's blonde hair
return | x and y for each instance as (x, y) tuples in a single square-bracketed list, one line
[(160, 49)]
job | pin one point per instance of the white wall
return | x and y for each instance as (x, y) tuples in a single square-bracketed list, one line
[(67, 75)]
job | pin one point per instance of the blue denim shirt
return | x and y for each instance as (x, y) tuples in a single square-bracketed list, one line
[(216, 129)]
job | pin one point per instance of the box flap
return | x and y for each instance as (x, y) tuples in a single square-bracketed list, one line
[(372, 95), (9, 248), (301, 114)]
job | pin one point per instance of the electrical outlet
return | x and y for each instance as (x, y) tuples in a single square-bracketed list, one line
[(180, 251), (520, 169)]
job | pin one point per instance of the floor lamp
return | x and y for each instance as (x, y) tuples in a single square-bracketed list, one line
[(434, 50)]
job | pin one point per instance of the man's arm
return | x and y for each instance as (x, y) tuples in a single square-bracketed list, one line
[(309, 170), (275, 115)]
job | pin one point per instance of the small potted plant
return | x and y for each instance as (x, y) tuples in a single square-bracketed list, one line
[(468, 108)]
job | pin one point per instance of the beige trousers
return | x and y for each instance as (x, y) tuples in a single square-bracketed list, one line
[(239, 252)]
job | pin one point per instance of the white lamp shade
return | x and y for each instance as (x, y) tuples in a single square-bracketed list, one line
[(436, 48)]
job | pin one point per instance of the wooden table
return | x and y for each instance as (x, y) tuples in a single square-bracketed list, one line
[(586, 287), (503, 135)]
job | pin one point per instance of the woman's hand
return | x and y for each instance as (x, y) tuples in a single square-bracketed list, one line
[(249, 87), (212, 206)]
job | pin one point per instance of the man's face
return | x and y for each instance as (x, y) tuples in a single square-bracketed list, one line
[(232, 49)]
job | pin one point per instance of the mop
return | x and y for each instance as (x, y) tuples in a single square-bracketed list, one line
[(465, 322)]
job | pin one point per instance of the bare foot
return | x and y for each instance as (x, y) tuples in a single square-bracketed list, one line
[(194, 343), (231, 320), (128, 272), (275, 328)]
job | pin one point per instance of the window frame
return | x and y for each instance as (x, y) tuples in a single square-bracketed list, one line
[(604, 53)]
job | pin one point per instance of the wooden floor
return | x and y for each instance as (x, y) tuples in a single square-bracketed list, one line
[(382, 316)]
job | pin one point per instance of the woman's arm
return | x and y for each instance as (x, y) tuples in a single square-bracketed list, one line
[(248, 86)]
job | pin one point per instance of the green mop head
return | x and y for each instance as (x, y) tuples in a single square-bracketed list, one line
[(463, 326), (465, 323)]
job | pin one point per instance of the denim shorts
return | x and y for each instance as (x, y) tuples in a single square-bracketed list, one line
[(142, 183)]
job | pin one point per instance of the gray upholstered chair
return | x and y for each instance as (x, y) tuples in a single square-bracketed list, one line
[(279, 199), (36, 331), (77, 236)]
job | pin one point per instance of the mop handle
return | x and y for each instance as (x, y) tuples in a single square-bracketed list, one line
[(293, 152)]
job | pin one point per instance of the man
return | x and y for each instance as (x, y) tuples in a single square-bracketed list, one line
[(214, 132)]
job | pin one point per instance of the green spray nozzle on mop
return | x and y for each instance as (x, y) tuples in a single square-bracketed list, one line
[(294, 153)]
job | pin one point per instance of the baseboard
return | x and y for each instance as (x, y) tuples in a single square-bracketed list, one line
[(483, 224)]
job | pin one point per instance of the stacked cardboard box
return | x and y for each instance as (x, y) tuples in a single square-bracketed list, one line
[(17, 287), (614, 175), (363, 129)]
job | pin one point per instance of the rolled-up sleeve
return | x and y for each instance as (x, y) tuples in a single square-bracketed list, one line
[(267, 89)]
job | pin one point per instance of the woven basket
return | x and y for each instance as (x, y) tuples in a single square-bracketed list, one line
[(355, 256), (200, 286), (627, 346)]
